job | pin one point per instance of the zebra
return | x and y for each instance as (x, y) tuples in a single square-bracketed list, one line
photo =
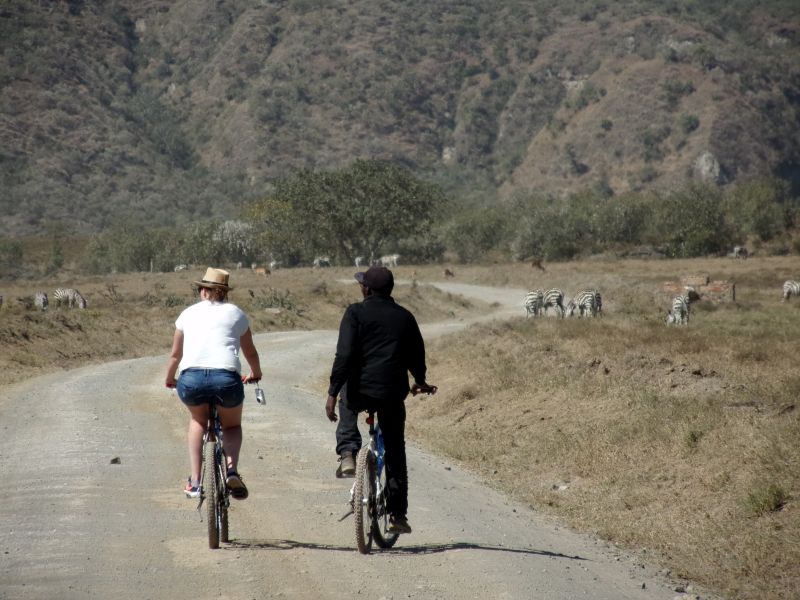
[(584, 302), (555, 298), (181, 267), (390, 260), (40, 300), (69, 296), (322, 261), (533, 303), (679, 315), (791, 288), (740, 252), (359, 261)]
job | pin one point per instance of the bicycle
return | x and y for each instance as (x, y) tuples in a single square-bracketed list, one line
[(368, 497), (368, 494), (213, 489)]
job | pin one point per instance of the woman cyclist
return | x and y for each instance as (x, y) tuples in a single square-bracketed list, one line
[(205, 350)]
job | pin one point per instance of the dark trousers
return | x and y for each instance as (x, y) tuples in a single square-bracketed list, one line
[(348, 438), (392, 420)]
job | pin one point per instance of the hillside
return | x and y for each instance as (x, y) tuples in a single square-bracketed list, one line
[(171, 111)]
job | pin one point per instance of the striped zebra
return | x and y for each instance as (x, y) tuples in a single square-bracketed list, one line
[(533, 303), (553, 298), (321, 262), (791, 288), (40, 300), (585, 302), (70, 297), (679, 315)]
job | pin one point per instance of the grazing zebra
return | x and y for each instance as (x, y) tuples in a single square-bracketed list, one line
[(555, 298), (70, 297), (791, 288), (679, 315), (322, 261), (390, 260), (740, 252), (584, 302), (40, 301), (181, 267), (533, 303)]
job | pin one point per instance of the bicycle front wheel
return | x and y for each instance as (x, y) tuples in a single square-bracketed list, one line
[(363, 499), (210, 485)]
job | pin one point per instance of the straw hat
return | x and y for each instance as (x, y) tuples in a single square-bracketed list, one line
[(214, 278)]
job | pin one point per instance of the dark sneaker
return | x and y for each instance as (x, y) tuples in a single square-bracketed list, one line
[(347, 465), (398, 525), (236, 486), (192, 490)]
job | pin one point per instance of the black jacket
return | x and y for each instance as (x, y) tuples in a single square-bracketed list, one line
[(379, 344)]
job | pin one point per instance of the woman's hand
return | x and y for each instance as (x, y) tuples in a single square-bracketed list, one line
[(251, 378)]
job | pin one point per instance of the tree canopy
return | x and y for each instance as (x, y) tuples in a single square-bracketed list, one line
[(365, 209)]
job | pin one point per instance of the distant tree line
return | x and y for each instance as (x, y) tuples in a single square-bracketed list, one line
[(371, 208)]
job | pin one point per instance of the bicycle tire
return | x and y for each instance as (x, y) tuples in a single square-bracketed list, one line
[(380, 517), (211, 491), (222, 499), (363, 498)]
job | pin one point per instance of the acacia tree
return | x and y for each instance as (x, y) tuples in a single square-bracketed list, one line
[(364, 209)]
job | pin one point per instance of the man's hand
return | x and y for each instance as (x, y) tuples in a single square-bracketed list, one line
[(330, 409), (423, 388)]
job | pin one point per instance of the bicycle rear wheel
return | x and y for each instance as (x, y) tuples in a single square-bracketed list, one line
[(363, 499), (380, 518), (223, 498), (210, 485)]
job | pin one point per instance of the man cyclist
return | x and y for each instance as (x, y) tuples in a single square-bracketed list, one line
[(379, 344)]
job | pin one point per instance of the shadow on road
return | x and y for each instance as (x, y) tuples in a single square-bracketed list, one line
[(419, 549)]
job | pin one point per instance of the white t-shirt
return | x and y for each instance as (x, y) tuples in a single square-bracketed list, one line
[(211, 332)]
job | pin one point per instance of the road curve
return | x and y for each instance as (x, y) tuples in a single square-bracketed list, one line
[(93, 461)]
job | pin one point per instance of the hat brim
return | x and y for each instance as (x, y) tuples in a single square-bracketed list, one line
[(212, 284)]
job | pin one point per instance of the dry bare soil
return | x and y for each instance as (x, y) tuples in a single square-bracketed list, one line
[(679, 444)]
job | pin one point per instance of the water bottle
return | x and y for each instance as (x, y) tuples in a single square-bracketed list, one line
[(260, 395)]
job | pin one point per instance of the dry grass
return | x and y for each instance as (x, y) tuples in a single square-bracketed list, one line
[(133, 315), (681, 440)]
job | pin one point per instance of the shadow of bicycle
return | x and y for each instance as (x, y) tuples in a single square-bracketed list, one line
[(244, 544)]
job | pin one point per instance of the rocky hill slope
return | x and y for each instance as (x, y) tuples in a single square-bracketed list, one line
[(170, 111)]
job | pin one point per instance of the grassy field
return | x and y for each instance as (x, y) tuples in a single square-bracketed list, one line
[(679, 441)]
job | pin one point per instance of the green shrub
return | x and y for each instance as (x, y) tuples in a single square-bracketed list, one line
[(767, 499)]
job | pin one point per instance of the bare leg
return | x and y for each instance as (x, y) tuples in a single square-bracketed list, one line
[(231, 420), (197, 428)]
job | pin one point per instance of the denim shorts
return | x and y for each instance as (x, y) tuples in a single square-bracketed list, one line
[(198, 386)]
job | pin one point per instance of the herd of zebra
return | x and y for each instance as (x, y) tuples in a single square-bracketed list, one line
[(67, 296), (590, 303), (585, 303)]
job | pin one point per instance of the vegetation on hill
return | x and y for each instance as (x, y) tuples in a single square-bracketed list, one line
[(171, 112)]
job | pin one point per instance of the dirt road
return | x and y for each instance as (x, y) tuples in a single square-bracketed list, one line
[(93, 462)]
